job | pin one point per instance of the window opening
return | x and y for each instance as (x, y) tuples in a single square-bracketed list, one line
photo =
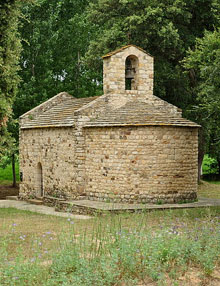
[(131, 64)]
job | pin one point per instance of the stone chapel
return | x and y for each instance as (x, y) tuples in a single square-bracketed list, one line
[(124, 146)]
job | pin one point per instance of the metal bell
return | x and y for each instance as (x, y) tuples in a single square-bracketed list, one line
[(129, 73)]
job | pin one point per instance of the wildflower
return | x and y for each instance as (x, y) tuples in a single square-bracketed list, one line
[(48, 232), (14, 224)]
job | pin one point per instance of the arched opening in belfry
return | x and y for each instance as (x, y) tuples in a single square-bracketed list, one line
[(39, 181), (131, 73)]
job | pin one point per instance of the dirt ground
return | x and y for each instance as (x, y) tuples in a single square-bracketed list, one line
[(192, 277), (8, 191)]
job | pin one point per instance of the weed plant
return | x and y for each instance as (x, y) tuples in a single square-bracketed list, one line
[(114, 253)]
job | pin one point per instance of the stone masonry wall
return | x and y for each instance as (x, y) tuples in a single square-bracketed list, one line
[(93, 110), (141, 164), (54, 149)]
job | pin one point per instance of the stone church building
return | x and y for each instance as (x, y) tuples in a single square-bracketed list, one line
[(126, 145)]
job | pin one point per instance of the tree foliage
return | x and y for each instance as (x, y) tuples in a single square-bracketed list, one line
[(56, 38), (10, 49), (204, 63)]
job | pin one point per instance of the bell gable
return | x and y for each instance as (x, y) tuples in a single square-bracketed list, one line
[(129, 68)]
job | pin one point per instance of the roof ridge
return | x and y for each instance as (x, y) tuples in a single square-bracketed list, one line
[(89, 103)]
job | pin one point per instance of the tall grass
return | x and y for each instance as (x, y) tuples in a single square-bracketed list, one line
[(114, 254)]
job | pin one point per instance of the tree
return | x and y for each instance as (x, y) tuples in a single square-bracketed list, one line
[(204, 63), (10, 49), (56, 39)]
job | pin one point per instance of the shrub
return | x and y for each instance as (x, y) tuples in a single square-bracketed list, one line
[(209, 165)]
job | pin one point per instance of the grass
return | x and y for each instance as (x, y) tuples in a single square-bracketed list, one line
[(159, 247), (209, 189), (6, 174), (213, 182), (171, 247)]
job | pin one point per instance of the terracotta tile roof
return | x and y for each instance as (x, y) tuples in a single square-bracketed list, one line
[(139, 113), (59, 115), (123, 48)]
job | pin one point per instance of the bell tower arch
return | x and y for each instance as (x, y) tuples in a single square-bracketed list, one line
[(131, 73)]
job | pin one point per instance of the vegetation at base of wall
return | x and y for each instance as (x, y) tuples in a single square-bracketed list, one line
[(128, 249)]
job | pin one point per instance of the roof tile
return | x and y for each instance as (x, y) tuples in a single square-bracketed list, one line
[(139, 113)]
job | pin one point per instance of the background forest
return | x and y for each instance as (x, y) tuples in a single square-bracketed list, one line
[(51, 46)]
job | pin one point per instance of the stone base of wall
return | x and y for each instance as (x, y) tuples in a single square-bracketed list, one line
[(25, 196), (111, 198), (88, 207), (50, 201), (53, 201), (143, 199), (75, 209)]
